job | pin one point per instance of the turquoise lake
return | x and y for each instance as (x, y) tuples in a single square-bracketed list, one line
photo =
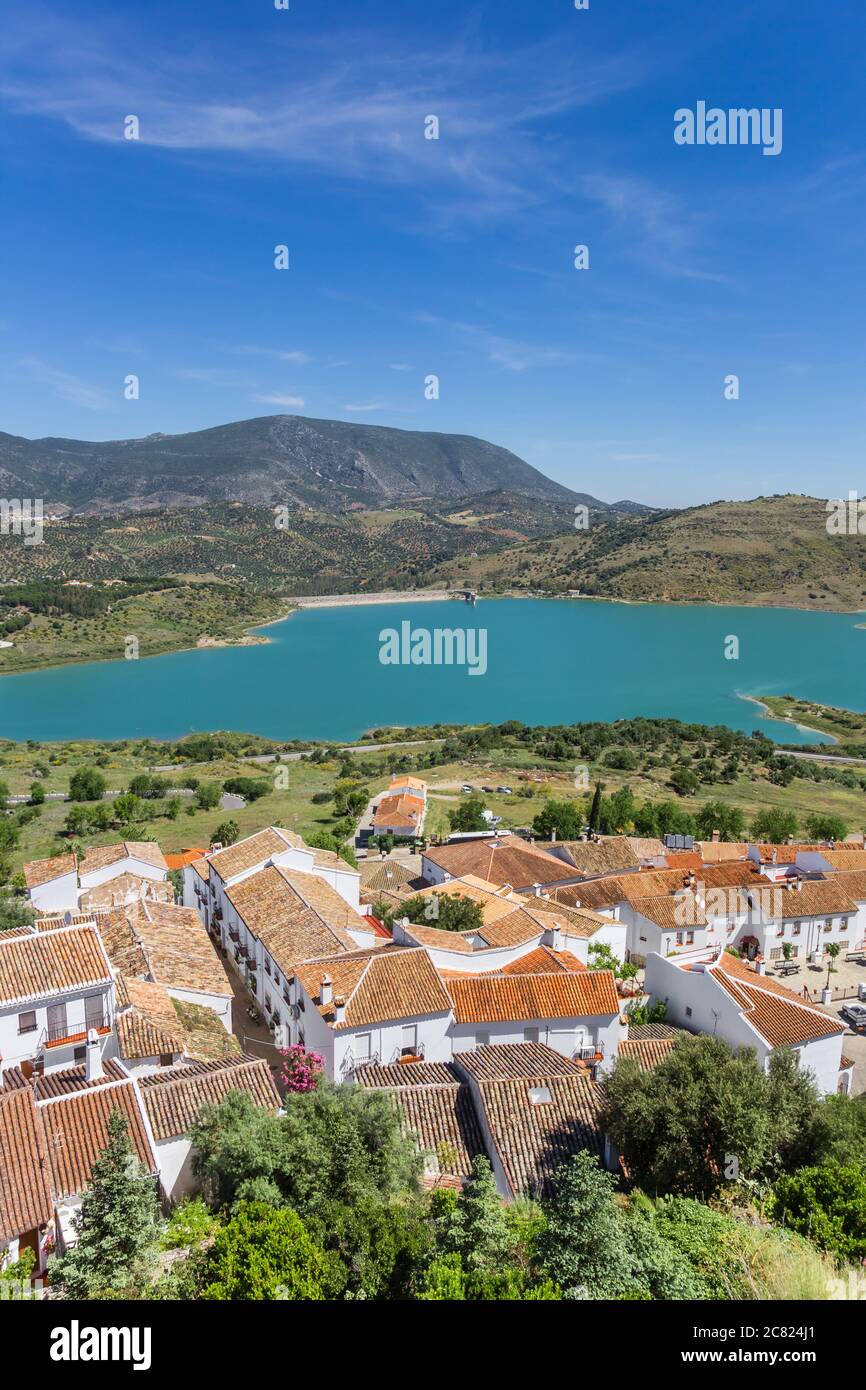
[(548, 662)]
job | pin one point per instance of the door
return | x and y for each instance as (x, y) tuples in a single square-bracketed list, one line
[(57, 1022)]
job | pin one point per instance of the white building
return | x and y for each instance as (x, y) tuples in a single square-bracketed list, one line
[(55, 986), (57, 885), (719, 994)]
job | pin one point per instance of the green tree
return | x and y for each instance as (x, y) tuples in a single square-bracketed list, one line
[(127, 808), (583, 1248), (706, 1116), (774, 826), (447, 911), (826, 827), (116, 1225), (595, 808), (468, 816), (207, 795), (601, 957), (226, 832), (86, 784), (718, 815), (265, 1252), (564, 819), (684, 781), (827, 1205), (37, 794), (14, 913)]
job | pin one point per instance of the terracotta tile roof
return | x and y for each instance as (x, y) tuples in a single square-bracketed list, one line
[(538, 1123), (574, 921), (509, 860), (647, 1052), (166, 942), (646, 847), (503, 1060), (462, 943), (402, 779), (26, 1197), (183, 857), (542, 961), (125, 888), (682, 913), (853, 881), (246, 854), (290, 915), (150, 1027), (48, 963), (591, 857), (687, 859), (100, 856), (784, 854), (399, 810), (721, 851), (640, 1032), (592, 895), (494, 903), (373, 1076), (378, 986), (46, 1085), (444, 1123), (516, 929), (385, 875), (76, 1131), (202, 868), (778, 1015), (502, 999), (845, 859), (173, 1098), (39, 871), (810, 898)]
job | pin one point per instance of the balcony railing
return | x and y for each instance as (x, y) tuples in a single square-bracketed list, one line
[(234, 933), (74, 1033)]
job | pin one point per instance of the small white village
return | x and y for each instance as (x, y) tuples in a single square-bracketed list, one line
[(490, 1043)]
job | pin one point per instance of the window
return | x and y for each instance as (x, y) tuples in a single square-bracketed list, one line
[(690, 938), (57, 1024), (302, 1042), (267, 965), (94, 1011), (409, 1040), (165, 1059), (79, 1055), (530, 1035), (363, 1046), (27, 1023), (277, 1020), (680, 938), (268, 1002), (828, 926), (795, 930), (482, 1039), (688, 1011)]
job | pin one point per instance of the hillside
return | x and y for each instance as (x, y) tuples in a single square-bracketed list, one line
[(270, 460), (772, 550)]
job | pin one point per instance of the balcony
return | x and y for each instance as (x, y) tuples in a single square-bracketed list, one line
[(63, 1035), (234, 933)]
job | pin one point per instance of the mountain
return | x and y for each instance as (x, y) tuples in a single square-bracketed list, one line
[(328, 465), (771, 550)]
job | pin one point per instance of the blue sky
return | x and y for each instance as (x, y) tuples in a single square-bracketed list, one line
[(454, 257)]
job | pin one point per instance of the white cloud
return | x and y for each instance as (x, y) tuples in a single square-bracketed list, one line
[(68, 387), (280, 400), (359, 409)]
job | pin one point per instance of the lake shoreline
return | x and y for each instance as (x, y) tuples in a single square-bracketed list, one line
[(786, 719)]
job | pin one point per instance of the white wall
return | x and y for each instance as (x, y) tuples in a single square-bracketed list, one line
[(127, 865), (60, 895)]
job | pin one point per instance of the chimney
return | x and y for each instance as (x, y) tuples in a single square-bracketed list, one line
[(553, 938), (326, 990), (717, 835), (536, 890), (339, 1009), (760, 967), (553, 837), (790, 839), (93, 1069)]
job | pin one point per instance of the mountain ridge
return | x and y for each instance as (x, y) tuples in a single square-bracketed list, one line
[(295, 460)]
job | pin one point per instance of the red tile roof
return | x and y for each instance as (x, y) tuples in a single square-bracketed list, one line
[(506, 998)]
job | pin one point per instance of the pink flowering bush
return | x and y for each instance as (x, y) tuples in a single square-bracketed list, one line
[(301, 1069)]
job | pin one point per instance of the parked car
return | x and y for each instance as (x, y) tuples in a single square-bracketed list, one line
[(489, 790), (466, 787), (505, 791), (855, 1014)]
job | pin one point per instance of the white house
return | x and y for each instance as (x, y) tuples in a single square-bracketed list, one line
[(173, 1098), (720, 994), (58, 885), (141, 858), (52, 884), (377, 1005), (575, 1013), (55, 986)]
